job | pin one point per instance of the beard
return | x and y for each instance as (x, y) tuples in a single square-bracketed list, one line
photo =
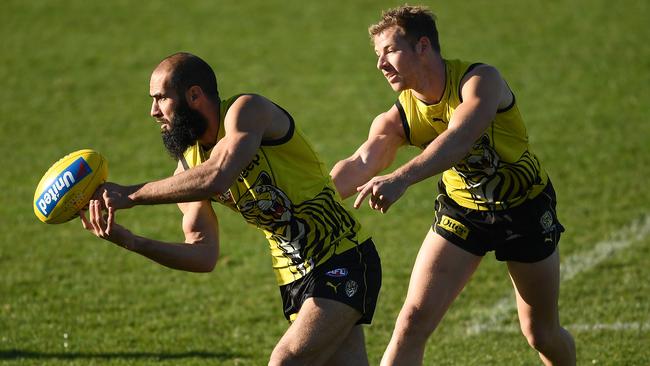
[(186, 128)]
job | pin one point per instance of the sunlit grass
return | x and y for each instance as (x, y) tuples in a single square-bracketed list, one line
[(75, 75)]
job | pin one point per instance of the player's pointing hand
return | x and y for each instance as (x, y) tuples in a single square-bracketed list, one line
[(383, 191)]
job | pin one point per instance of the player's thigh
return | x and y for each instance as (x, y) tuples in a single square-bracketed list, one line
[(537, 287), (440, 272), (352, 352), (321, 327)]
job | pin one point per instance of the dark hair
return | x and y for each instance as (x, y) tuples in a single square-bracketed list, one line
[(415, 21), (188, 70)]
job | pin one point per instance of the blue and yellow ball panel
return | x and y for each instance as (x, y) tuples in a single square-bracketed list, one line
[(68, 186)]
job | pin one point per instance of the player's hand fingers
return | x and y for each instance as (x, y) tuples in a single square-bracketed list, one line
[(106, 199), (92, 209), (376, 196), (385, 205), (102, 221), (98, 220), (84, 221), (110, 220), (91, 217), (363, 190), (373, 201)]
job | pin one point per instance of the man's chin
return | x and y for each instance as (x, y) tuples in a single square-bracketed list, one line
[(175, 150), (397, 86)]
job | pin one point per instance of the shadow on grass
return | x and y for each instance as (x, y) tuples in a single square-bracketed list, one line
[(16, 354)]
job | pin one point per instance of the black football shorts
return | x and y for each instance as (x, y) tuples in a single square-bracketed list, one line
[(352, 277), (526, 233)]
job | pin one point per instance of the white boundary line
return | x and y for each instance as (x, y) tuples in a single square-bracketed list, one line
[(493, 318), (581, 328)]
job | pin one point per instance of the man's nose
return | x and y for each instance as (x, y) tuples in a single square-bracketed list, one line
[(155, 110)]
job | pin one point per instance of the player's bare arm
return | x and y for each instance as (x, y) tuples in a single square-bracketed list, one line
[(483, 92), (246, 123), (198, 253), (386, 136)]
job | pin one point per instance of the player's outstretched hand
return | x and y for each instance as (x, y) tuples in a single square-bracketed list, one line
[(383, 191), (112, 197), (98, 224)]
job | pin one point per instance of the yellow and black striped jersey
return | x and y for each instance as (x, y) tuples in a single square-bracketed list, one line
[(500, 171), (286, 192)]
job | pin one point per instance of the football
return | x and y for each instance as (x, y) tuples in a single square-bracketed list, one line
[(68, 186)]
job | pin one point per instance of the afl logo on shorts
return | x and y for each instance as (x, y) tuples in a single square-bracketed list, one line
[(339, 272)]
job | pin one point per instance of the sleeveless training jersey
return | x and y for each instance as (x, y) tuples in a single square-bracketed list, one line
[(500, 170), (286, 192)]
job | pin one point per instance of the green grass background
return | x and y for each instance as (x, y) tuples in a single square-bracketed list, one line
[(74, 74)]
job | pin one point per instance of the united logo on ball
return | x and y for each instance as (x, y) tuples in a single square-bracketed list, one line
[(68, 186)]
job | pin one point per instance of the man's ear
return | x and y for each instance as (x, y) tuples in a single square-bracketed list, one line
[(193, 95), (423, 45)]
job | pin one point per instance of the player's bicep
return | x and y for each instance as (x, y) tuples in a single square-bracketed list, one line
[(385, 137), (482, 93), (389, 124), (245, 125)]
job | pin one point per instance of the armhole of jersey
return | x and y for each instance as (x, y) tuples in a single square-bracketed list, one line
[(282, 139), (472, 67), (469, 69), (186, 166), (287, 136), (405, 124), (512, 104)]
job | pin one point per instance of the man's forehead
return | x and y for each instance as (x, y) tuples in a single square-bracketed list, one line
[(388, 36), (158, 80)]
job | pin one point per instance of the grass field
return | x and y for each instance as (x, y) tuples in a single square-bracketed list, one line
[(74, 74)]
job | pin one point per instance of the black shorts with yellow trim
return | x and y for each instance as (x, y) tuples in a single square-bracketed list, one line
[(526, 233), (352, 277)]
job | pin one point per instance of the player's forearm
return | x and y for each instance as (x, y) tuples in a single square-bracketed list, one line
[(442, 153), (198, 257), (350, 173), (370, 159), (197, 184)]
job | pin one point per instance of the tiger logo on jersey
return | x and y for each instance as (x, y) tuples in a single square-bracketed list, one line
[(487, 177), (300, 231)]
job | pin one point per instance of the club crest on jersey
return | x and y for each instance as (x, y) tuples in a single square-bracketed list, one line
[(339, 272), (61, 184), (351, 288)]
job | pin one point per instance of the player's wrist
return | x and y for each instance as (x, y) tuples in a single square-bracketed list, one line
[(403, 178), (133, 196)]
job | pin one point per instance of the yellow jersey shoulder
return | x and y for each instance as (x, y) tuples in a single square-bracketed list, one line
[(500, 170)]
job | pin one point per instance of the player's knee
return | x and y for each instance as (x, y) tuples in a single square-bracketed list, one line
[(540, 337), (278, 359), (416, 323), (279, 356), (285, 356)]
